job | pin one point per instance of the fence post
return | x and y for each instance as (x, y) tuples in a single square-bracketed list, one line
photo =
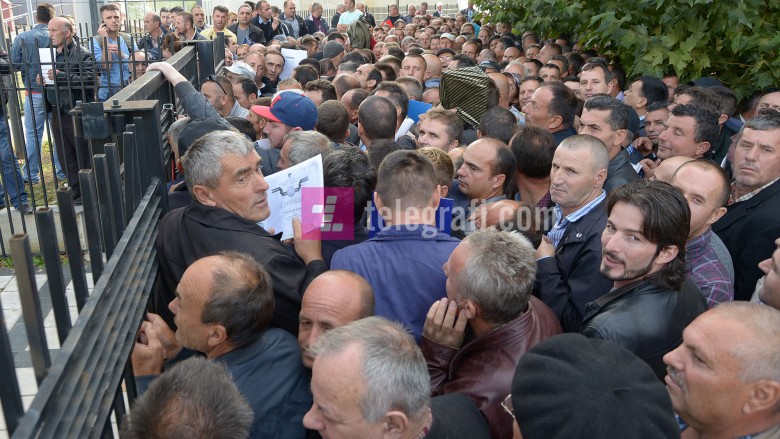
[(70, 233), (31, 305), (47, 237)]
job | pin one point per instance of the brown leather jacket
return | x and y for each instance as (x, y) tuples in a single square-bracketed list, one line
[(483, 368)]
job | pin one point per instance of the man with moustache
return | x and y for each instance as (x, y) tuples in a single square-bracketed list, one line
[(723, 380), (643, 253)]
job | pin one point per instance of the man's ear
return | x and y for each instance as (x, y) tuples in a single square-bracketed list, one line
[(217, 335), (716, 215), (471, 309), (203, 195), (612, 84), (666, 255), (764, 397), (702, 148), (620, 136), (555, 122), (396, 425)]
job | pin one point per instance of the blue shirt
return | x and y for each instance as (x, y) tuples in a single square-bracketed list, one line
[(24, 54), (561, 223), (115, 67), (404, 266)]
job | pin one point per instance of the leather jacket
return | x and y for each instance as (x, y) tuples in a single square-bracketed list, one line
[(619, 171), (75, 80), (644, 318), (483, 367)]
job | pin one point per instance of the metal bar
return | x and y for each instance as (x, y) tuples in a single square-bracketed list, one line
[(31, 305), (70, 234), (10, 397), (104, 200), (115, 183), (91, 222), (47, 237), (132, 184), (143, 150)]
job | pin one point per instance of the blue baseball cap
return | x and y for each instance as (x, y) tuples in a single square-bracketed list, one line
[(291, 109)]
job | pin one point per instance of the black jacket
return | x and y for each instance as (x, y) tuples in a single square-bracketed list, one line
[(567, 282), (334, 21), (645, 318), (75, 79), (619, 172), (312, 27), (268, 29), (192, 232), (255, 33), (749, 230), (302, 28)]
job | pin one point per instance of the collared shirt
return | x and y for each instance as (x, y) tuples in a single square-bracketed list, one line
[(705, 269), (239, 111), (748, 195), (293, 22), (561, 223), (683, 425), (350, 17), (211, 33), (544, 201)]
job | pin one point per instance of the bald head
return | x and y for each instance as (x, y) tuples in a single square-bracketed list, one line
[(433, 69), (333, 299), (503, 88), (665, 171)]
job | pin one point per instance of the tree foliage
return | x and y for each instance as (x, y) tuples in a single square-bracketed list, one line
[(739, 42)]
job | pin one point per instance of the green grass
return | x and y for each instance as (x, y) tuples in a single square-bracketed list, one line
[(44, 193), (8, 263)]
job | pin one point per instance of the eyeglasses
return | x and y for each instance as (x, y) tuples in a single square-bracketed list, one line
[(213, 78), (506, 404)]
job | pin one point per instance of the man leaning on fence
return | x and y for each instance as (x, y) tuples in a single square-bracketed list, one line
[(72, 79)]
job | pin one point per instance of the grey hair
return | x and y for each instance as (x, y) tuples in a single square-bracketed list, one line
[(761, 122), (598, 151), (195, 398), (499, 274), (759, 353), (392, 366), (307, 144), (175, 130), (203, 161)]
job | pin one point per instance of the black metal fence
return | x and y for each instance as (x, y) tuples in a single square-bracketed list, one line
[(39, 123), (123, 197)]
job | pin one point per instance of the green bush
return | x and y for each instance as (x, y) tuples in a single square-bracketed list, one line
[(736, 42)]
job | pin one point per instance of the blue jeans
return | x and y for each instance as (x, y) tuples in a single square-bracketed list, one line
[(12, 173), (34, 130)]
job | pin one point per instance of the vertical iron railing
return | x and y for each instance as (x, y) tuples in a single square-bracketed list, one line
[(123, 197)]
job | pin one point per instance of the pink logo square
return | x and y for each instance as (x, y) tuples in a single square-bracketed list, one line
[(334, 214)]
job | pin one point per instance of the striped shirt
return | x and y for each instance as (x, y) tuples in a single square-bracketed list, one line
[(561, 223)]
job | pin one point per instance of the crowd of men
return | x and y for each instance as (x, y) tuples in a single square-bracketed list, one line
[(636, 215)]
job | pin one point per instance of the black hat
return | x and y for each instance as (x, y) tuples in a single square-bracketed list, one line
[(197, 128), (570, 386)]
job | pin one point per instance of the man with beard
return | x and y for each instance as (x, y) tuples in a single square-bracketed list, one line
[(643, 252)]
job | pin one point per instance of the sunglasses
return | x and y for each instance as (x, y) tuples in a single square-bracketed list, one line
[(213, 78)]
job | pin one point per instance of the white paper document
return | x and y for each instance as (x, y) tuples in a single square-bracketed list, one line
[(292, 57), (285, 190), (46, 63)]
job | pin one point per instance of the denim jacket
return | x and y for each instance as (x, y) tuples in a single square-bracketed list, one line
[(24, 54)]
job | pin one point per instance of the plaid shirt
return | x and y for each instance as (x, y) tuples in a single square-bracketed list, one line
[(683, 425), (748, 195), (705, 269)]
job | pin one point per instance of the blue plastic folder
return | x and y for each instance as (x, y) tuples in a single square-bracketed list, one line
[(416, 108)]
